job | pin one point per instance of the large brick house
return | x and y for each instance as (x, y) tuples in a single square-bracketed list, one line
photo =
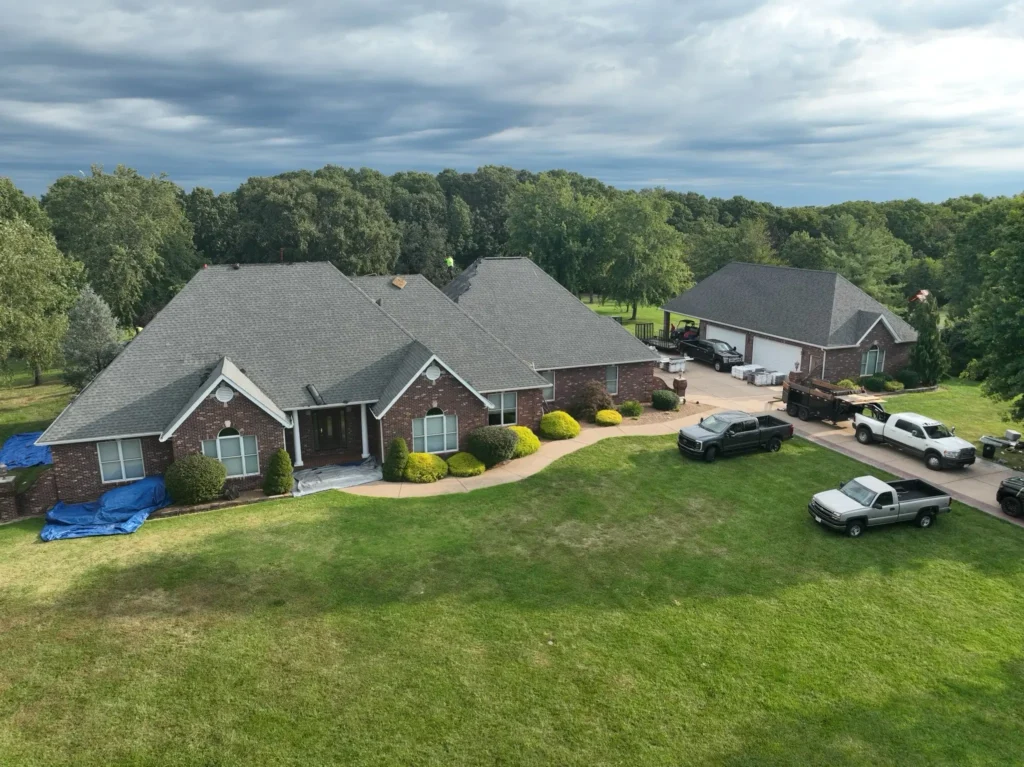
[(803, 320), (249, 359)]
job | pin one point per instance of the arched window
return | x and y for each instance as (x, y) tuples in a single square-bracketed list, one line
[(237, 452), (873, 361), (435, 432)]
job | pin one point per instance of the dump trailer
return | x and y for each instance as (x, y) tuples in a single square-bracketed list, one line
[(810, 399)]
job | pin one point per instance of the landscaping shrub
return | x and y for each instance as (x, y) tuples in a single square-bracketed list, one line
[(465, 465), (631, 408), (848, 383), (666, 399), (394, 463), (608, 418), (526, 441), (492, 444), (873, 383), (558, 425), (195, 479), (658, 384), (910, 378), (278, 479), (425, 467), (588, 400), (892, 386)]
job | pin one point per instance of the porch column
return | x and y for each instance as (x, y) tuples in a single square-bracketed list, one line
[(666, 326), (363, 429), (296, 438)]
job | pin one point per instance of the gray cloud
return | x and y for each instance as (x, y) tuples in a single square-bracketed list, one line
[(796, 102)]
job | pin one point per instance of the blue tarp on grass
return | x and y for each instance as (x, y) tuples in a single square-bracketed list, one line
[(118, 511), (20, 451)]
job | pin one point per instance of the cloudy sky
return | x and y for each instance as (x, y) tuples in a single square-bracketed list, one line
[(793, 102)]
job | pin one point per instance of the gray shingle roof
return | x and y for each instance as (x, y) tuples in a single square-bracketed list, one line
[(814, 307), (539, 320), (285, 326), (416, 356)]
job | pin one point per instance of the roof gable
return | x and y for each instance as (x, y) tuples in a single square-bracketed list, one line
[(418, 359)]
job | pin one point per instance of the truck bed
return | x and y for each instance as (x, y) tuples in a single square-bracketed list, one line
[(915, 490), (767, 421)]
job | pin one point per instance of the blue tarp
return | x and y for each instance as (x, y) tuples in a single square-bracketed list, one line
[(118, 511), (20, 451)]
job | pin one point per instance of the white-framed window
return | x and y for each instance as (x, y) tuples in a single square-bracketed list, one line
[(435, 432), (239, 453), (505, 415), (611, 379), (873, 361), (120, 460), (548, 392)]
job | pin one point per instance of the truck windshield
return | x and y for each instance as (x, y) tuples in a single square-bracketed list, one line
[(937, 431), (722, 346), (715, 424), (858, 492)]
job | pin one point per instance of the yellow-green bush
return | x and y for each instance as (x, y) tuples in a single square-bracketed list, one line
[(465, 465), (608, 418), (527, 443), (425, 467), (558, 425)]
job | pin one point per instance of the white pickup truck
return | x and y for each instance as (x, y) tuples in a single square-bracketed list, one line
[(917, 434)]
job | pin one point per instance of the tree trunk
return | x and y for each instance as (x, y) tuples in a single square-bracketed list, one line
[(37, 375), (634, 312)]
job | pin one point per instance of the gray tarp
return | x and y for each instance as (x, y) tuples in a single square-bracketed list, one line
[(333, 477)]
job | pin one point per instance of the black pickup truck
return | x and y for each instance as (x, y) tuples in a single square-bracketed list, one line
[(733, 431), (1011, 496), (716, 353)]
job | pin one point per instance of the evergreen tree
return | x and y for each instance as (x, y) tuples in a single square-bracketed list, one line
[(929, 357), (92, 339)]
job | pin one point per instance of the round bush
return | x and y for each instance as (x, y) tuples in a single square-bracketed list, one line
[(526, 441), (848, 383), (278, 479), (664, 400), (465, 465), (608, 418), (588, 400), (631, 408), (195, 479), (910, 379), (893, 386), (492, 444), (425, 467), (558, 425), (394, 463), (873, 383)]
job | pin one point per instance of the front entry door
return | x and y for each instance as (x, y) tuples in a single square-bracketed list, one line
[(328, 429)]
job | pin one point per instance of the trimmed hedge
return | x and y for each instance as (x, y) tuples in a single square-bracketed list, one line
[(492, 444), (526, 441), (394, 463), (608, 418), (195, 479), (665, 399), (909, 377), (465, 465), (558, 425), (631, 408), (893, 386), (278, 479), (848, 383), (873, 383), (425, 467), (591, 398)]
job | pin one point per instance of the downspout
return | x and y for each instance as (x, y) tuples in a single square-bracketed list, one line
[(824, 359)]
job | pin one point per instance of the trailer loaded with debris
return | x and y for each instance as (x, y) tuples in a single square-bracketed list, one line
[(812, 399)]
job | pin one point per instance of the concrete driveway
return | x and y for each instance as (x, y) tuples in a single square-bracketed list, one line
[(975, 485)]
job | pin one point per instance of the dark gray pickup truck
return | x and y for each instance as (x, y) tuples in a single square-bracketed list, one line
[(733, 431)]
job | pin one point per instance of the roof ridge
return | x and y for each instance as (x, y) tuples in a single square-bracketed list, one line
[(784, 266)]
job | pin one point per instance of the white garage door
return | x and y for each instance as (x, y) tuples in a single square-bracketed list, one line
[(776, 355), (732, 337)]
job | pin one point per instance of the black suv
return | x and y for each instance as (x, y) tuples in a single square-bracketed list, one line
[(1011, 496), (712, 351)]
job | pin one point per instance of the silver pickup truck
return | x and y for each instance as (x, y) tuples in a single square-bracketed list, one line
[(866, 502)]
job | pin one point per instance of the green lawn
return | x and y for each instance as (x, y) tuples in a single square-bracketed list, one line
[(24, 407), (961, 403), (623, 607)]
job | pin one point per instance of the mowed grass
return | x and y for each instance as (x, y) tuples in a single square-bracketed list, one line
[(27, 408), (962, 404), (625, 606)]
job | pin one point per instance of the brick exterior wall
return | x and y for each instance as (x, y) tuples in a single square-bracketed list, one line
[(211, 416), (40, 497), (76, 468), (634, 383), (8, 505)]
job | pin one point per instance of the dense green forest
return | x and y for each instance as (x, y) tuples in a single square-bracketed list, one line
[(137, 240)]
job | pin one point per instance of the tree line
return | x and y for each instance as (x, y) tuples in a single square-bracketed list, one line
[(136, 240)]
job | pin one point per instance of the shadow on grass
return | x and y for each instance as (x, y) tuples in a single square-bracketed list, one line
[(624, 524)]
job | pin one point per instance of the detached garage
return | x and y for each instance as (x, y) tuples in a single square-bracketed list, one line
[(776, 355)]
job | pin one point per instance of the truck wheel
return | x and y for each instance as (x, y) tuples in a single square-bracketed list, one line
[(933, 461), (711, 454), (1011, 506), (774, 445), (718, 366), (855, 529), (792, 410), (925, 519), (805, 414), (864, 435)]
